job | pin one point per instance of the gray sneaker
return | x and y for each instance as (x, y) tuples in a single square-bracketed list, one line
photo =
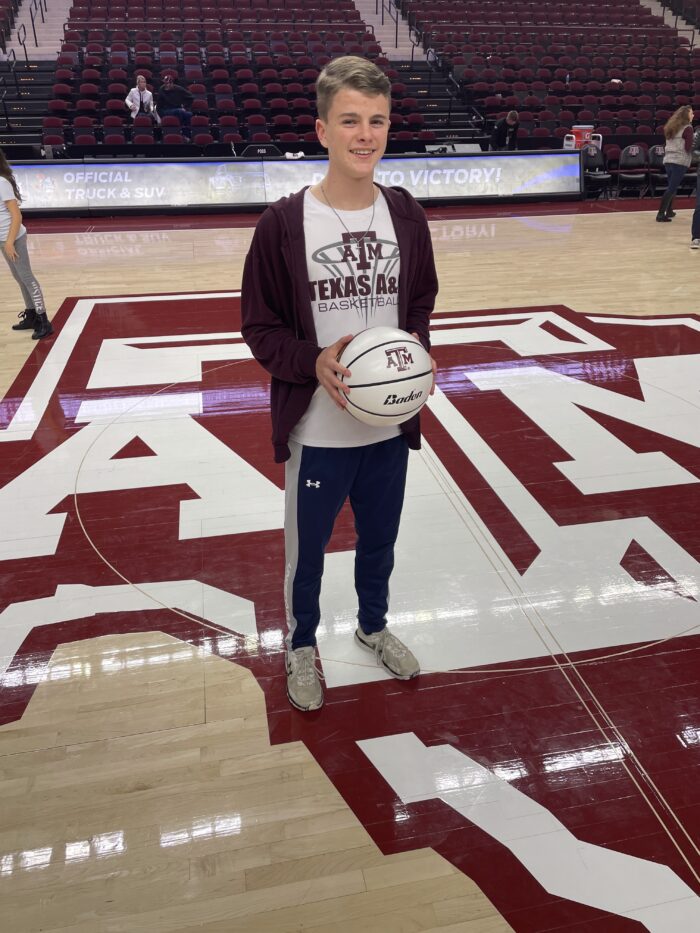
[(303, 683), (695, 244), (390, 653)]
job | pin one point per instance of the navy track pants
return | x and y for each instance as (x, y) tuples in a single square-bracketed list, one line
[(318, 480)]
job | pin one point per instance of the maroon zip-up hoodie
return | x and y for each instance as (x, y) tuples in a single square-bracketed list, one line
[(278, 323)]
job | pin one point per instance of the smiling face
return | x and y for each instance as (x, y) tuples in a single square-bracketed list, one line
[(354, 133)]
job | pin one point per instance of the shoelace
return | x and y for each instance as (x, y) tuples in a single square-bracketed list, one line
[(386, 639), (304, 666)]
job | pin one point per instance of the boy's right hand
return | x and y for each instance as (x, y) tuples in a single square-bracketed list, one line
[(328, 367)]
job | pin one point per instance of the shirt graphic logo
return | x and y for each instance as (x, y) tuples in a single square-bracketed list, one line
[(313, 484), (398, 358), (361, 275)]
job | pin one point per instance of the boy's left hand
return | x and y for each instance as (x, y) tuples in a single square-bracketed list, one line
[(432, 362)]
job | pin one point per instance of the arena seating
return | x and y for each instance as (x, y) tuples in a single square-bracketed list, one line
[(613, 64), (252, 65), (256, 63)]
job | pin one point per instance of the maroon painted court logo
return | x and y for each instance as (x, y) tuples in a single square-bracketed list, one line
[(551, 518), (398, 357)]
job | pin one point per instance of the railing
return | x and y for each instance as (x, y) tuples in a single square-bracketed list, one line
[(12, 68), (454, 89), (31, 14), (36, 9), (555, 32), (36, 6), (686, 29), (394, 17), (22, 39), (3, 96), (199, 21)]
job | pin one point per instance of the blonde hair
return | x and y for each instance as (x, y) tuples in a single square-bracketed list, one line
[(677, 121), (349, 71)]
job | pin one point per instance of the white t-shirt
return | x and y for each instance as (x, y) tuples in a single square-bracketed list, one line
[(352, 286), (7, 194)]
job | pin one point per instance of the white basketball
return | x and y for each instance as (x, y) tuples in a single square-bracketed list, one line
[(391, 376)]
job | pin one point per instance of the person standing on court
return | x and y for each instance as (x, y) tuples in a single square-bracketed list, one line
[(13, 238), (677, 157), (505, 133), (325, 263)]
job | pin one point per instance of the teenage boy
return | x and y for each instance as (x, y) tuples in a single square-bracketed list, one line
[(324, 264)]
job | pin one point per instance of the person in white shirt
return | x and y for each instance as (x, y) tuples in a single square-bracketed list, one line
[(326, 262), (139, 100), (13, 240)]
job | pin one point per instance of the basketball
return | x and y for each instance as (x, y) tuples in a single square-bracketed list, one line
[(391, 376)]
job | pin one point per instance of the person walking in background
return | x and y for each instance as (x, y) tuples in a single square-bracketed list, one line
[(677, 157), (505, 133), (174, 101), (13, 238)]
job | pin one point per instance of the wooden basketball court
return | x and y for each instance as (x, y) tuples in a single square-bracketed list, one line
[(152, 775)]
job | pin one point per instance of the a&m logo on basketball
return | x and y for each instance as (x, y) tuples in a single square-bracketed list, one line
[(378, 358), (398, 357)]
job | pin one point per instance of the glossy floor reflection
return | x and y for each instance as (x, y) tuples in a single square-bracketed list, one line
[(540, 775)]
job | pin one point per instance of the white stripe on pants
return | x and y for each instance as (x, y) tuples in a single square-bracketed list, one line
[(22, 272)]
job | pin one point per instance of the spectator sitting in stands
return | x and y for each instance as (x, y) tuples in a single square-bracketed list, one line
[(505, 133), (139, 100), (173, 101)]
